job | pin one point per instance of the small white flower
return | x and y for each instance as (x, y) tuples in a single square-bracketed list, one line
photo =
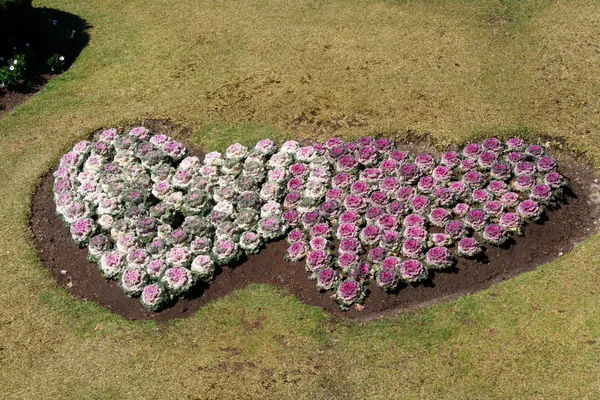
[(189, 162), (236, 152), (314, 190), (106, 222), (11, 68), (127, 242), (204, 266), (175, 199), (226, 180), (209, 171), (269, 191), (1, 58), (280, 160), (178, 256), (214, 159), (291, 147), (26, 44), (163, 231), (15, 62), (270, 209), (224, 207), (61, 58)]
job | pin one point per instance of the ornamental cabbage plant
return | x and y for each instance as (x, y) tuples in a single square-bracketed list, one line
[(359, 214)]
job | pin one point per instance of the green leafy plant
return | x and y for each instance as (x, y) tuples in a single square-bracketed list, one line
[(13, 71), (56, 63)]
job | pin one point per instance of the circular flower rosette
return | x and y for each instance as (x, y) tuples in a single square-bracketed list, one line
[(358, 214)]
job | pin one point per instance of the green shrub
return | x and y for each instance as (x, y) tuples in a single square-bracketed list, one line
[(56, 63), (13, 71)]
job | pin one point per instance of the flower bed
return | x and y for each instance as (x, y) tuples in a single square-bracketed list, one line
[(37, 44), (360, 214)]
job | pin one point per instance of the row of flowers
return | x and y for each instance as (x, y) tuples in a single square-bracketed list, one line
[(160, 221)]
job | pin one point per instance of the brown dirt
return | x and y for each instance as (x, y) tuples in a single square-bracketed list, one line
[(557, 233), (9, 99), (314, 121)]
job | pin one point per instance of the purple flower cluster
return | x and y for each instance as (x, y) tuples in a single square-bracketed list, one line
[(386, 209)]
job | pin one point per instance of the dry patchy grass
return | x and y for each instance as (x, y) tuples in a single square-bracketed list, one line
[(242, 70)]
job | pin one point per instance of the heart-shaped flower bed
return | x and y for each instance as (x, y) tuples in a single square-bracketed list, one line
[(360, 214)]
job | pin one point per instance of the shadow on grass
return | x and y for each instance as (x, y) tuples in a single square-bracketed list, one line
[(49, 39)]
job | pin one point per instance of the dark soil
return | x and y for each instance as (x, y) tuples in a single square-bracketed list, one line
[(9, 99), (557, 233)]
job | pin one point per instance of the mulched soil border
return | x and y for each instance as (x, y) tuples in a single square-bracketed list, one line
[(555, 234)]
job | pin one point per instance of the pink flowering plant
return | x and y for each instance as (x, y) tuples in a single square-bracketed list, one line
[(412, 271), (154, 297), (355, 213), (327, 279), (387, 279), (350, 292)]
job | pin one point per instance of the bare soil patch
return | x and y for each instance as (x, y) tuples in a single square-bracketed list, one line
[(9, 99)]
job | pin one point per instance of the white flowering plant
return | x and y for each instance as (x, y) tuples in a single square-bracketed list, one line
[(139, 203)]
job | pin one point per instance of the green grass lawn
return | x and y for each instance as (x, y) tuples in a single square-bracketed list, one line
[(243, 70)]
